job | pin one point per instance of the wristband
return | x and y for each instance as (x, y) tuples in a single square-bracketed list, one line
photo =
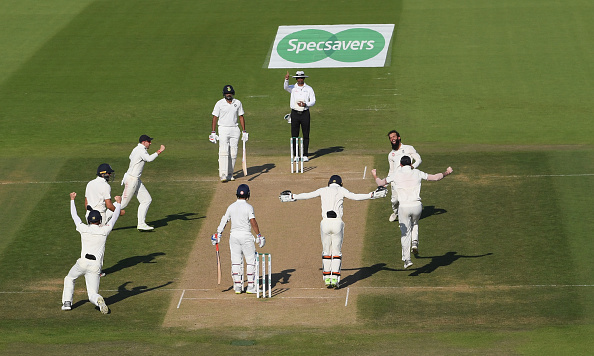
[(259, 235)]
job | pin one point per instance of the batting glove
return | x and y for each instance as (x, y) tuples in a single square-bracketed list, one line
[(213, 137), (215, 238), (260, 240), (244, 136)]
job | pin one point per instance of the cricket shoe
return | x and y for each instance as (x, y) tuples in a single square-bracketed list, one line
[(393, 217), (415, 247), (334, 282), (144, 227), (232, 178), (305, 159), (224, 179), (67, 306), (251, 290), (328, 282), (238, 289), (102, 306), (407, 263)]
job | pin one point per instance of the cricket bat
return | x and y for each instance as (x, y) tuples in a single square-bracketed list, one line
[(244, 161), (218, 266)]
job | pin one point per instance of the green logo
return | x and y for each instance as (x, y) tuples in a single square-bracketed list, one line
[(352, 45)]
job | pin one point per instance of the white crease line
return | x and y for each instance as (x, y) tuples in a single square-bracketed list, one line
[(364, 172), (544, 175), (346, 302), (180, 298), (257, 96)]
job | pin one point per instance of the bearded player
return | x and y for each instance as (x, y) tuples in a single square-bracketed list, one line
[(398, 151)]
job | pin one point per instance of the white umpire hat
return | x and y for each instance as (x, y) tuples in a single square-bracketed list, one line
[(300, 74)]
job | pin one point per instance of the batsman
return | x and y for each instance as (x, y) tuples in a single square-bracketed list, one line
[(332, 226), (241, 240)]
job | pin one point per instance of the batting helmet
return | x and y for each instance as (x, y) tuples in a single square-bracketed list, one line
[(228, 89), (335, 179), (105, 171), (94, 216), (243, 191)]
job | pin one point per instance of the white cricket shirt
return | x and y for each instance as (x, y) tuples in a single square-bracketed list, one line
[(405, 150), (138, 158), (97, 191), (240, 214), (228, 113), (332, 198), (407, 182)]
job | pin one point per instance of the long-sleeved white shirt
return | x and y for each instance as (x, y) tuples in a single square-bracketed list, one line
[(240, 213), (93, 236), (303, 93), (138, 158), (405, 150), (407, 182), (332, 198)]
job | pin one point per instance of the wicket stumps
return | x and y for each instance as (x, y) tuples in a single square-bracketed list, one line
[(296, 154), (265, 258)]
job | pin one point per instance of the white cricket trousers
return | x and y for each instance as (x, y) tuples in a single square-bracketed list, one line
[(228, 140), (332, 233), (91, 270), (241, 245), (408, 219), (394, 198), (133, 187)]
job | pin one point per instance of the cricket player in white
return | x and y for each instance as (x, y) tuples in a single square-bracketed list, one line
[(98, 193), (133, 185), (399, 150), (241, 240), (407, 182), (332, 226), (302, 98), (226, 112), (93, 237)]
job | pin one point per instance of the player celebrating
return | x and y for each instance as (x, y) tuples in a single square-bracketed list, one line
[(399, 150), (241, 240), (407, 182), (226, 112), (98, 193), (93, 237), (133, 184), (332, 226)]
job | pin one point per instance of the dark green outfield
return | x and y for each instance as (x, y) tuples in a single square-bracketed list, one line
[(501, 91)]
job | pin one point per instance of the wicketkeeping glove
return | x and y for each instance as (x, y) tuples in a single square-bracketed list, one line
[(286, 196), (244, 136), (215, 238), (213, 137), (380, 192), (260, 240)]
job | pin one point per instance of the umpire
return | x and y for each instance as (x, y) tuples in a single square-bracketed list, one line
[(302, 98)]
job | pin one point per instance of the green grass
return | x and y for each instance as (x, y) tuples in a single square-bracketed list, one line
[(498, 90)]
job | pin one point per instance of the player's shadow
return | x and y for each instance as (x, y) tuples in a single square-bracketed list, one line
[(256, 171), (124, 292), (282, 277), (166, 220), (132, 261), (362, 273), (431, 210), (324, 151), (441, 261)]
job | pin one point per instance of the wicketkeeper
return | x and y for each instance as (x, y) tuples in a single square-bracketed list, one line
[(332, 226), (241, 240)]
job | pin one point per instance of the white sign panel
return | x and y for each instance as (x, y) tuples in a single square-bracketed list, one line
[(331, 46)]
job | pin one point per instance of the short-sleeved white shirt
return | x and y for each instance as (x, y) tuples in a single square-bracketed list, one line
[(138, 157), (97, 191), (240, 213), (332, 198), (405, 150), (228, 113), (407, 182)]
